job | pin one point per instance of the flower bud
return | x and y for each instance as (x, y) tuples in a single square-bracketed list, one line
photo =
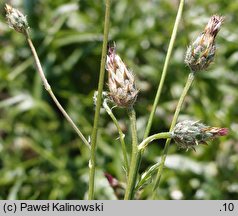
[(117, 186), (187, 134), (16, 19), (201, 53), (121, 81)]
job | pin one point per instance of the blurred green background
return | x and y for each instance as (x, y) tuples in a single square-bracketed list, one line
[(41, 157)]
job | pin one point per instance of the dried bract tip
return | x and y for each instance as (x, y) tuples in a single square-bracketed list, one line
[(187, 134), (214, 24), (121, 81), (16, 19), (201, 53)]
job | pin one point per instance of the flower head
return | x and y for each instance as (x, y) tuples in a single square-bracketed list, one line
[(16, 19), (121, 81), (201, 52), (187, 134)]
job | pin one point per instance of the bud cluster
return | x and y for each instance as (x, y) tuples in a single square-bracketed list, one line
[(187, 134), (121, 81), (16, 19), (201, 52)]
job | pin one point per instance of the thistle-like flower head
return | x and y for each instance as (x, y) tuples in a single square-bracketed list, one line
[(201, 52), (16, 19), (121, 81), (187, 134)]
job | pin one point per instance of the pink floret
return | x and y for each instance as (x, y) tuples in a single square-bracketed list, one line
[(223, 131)]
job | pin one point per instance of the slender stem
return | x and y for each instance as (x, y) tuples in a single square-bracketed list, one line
[(187, 86), (135, 157), (143, 145), (121, 135), (49, 90), (92, 161), (145, 142), (164, 72)]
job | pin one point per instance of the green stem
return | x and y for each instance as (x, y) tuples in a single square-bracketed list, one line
[(135, 157), (49, 90), (175, 118), (143, 145), (145, 142), (92, 161), (121, 135), (165, 68)]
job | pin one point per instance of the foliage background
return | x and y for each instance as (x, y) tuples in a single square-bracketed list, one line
[(40, 155)]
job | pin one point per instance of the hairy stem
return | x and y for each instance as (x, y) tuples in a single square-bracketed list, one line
[(135, 157), (49, 90), (92, 161), (187, 86), (165, 68), (121, 135)]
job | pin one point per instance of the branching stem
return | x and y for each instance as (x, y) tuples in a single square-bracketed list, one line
[(49, 90)]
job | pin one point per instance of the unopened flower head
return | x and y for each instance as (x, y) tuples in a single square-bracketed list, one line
[(121, 81), (16, 19), (187, 134), (201, 52)]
